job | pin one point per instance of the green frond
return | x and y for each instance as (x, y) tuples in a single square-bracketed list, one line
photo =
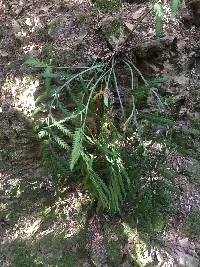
[(76, 98), (76, 148), (158, 9), (42, 134), (152, 83), (39, 108), (36, 63), (44, 96), (175, 4), (60, 141), (156, 118), (102, 162), (59, 125), (101, 188)]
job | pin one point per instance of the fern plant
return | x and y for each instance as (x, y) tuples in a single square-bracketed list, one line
[(88, 129)]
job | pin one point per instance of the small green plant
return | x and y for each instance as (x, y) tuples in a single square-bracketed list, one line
[(82, 138)]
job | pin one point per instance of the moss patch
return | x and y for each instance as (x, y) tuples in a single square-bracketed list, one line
[(107, 5), (192, 225)]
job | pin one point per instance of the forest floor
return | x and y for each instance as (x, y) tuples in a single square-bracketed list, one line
[(35, 228)]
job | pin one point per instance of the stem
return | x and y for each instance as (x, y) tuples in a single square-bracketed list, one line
[(117, 88)]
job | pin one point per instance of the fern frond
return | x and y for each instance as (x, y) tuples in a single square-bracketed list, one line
[(42, 134), (60, 141), (159, 19), (39, 108), (101, 188), (77, 100), (61, 164), (76, 148), (36, 63), (153, 83), (63, 109), (44, 96), (114, 200), (175, 4), (156, 118), (68, 114), (61, 127), (116, 185)]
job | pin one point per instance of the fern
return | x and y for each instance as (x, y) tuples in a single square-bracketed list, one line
[(115, 193), (99, 186), (158, 18), (60, 141), (76, 99), (36, 63), (59, 125), (76, 148), (175, 4), (142, 92), (55, 165), (42, 134), (156, 118), (105, 167)]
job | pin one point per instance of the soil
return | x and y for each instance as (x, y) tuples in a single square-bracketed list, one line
[(78, 35)]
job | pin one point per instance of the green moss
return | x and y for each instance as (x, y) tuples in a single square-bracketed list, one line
[(113, 28), (195, 123), (53, 249), (181, 141), (192, 225), (114, 238), (138, 251), (192, 170), (83, 21), (107, 5), (20, 254), (61, 250)]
